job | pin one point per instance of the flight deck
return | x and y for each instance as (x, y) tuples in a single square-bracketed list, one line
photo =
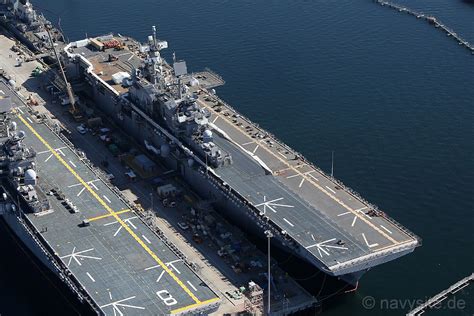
[(332, 223), (120, 262)]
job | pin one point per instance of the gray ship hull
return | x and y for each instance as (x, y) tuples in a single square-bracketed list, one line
[(222, 199)]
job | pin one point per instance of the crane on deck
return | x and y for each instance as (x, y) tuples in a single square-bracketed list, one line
[(76, 113)]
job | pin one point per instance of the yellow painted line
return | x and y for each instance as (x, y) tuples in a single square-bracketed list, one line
[(112, 213), (107, 215), (178, 310), (360, 216)]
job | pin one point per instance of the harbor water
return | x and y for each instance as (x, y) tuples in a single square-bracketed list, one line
[(390, 94)]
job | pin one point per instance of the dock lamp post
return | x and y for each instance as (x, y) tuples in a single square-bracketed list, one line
[(269, 235)]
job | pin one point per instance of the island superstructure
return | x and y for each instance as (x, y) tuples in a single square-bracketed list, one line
[(252, 177)]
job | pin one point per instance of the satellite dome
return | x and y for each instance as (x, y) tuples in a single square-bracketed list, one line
[(193, 82), (207, 136), (30, 177), (21, 134)]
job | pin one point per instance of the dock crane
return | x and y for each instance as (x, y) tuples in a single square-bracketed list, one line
[(72, 107)]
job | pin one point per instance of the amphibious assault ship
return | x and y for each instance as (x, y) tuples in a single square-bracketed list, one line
[(30, 27), (258, 182)]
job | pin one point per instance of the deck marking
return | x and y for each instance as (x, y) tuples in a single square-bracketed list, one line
[(271, 204), (171, 264), (160, 276), (289, 223), (367, 243), (301, 183), (72, 163), (128, 222), (256, 147), (214, 120), (49, 157), (146, 239), (248, 143), (90, 277), (49, 151), (312, 237), (314, 177), (345, 213), (330, 189), (79, 255), (314, 183), (124, 225), (2, 92), (192, 286), (179, 310), (80, 192), (386, 229), (29, 120), (323, 248), (107, 199), (115, 305), (354, 221), (110, 295), (361, 209), (108, 215), (20, 110)]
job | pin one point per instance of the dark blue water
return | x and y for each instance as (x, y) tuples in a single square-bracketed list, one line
[(390, 94)]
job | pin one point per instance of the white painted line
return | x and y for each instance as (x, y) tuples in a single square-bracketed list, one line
[(146, 239), (367, 243), (386, 229), (330, 189), (312, 237), (80, 192), (313, 177), (301, 183), (2, 92), (90, 276), (289, 223), (295, 175), (160, 276), (214, 120), (72, 164), (248, 143), (191, 285), (93, 185), (20, 110), (360, 209), (130, 57), (29, 120), (153, 267), (110, 295), (342, 214), (61, 152), (49, 157), (281, 154), (354, 221), (107, 199), (253, 152)]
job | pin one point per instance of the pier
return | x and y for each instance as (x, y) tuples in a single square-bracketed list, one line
[(430, 19), (440, 297)]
